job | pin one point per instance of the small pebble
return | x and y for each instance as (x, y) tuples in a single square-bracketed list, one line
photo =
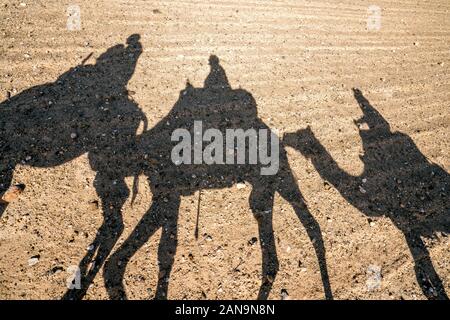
[(240, 185), (284, 294), (252, 241), (12, 193), (33, 260), (73, 135), (362, 189), (93, 205)]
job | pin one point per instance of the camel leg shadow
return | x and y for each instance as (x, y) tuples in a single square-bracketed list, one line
[(289, 190), (107, 235), (425, 273), (5, 182), (3, 207), (261, 203), (163, 213)]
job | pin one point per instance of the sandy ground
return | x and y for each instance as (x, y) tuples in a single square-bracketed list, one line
[(299, 60)]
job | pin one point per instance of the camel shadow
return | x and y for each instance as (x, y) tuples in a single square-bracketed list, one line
[(86, 110), (217, 107), (398, 182)]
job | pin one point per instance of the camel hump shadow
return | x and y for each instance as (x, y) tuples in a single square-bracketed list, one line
[(217, 106), (397, 182)]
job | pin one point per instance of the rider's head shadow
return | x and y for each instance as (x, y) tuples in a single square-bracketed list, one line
[(371, 125), (116, 66), (217, 78)]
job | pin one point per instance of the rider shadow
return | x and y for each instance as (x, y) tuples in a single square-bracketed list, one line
[(86, 110), (221, 108), (398, 182)]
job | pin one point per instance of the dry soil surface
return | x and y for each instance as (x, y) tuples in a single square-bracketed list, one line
[(299, 60)]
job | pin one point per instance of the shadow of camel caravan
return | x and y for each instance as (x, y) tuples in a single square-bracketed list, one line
[(88, 110)]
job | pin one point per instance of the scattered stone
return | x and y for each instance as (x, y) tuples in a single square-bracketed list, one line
[(416, 43), (240, 185), (374, 277), (27, 56), (371, 223), (363, 126), (73, 135), (23, 4), (93, 205), (284, 294), (156, 11), (329, 220), (364, 180), (208, 237), (12, 193), (441, 64), (252, 241), (55, 270), (33, 260), (28, 158), (362, 190), (90, 247)]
